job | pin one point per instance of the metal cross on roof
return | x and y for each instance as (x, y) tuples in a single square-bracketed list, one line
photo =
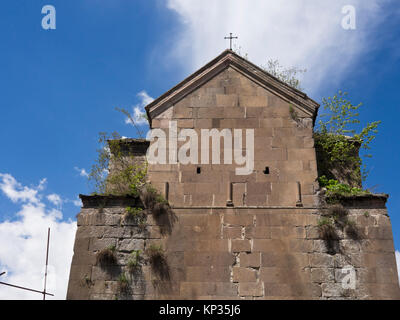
[(230, 40)]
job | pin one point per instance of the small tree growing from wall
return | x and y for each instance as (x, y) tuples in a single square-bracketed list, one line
[(336, 150), (126, 176), (286, 75)]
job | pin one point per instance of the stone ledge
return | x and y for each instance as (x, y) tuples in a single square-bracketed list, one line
[(371, 201), (132, 147), (104, 201)]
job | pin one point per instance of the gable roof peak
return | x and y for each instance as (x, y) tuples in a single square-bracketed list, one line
[(229, 58)]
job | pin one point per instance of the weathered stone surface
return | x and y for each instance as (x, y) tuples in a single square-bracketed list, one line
[(322, 275), (264, 247), (131, 244), (251, 289), (232, 232), (250, 259), (241, 246), (100, 244), (244, 274)]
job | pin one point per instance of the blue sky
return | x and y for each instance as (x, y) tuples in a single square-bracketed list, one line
[(59, 87)]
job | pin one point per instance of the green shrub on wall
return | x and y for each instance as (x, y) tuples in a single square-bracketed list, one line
[(337, 143)]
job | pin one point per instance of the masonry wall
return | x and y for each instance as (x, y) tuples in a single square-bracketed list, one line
[(237, 253), (231, 100), (267, 246)]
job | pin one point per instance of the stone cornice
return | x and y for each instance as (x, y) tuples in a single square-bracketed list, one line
[(103, 201)]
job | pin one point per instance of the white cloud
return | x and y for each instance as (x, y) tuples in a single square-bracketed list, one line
[(77, 202), (82, 172), (23, 243), (55, 199), (301, 33), (139, 113), (16, 192), (398, 263)]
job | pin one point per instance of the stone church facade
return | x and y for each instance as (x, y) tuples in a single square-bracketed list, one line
[(249, 236)]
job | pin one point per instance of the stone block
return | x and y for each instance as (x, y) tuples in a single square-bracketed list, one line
[(213, 245), (217, 259), (270, 245), (203, 101), (378, 260), (332, 290), (260, 188), (301, 154), (128, 245), (384, 291), (300, 245), (81, 245), (77, 291), (250, 259), (203, 124), (380, 232), (262, 220), (284, 275), (251, 289), (80, 272), (283, 132), (211, 113), (100, 244), (254, 112), (263, 132), (258, 232), (256, 199), (232, 232), (185, 123), (383, 220), (227, 100), (285, 260), (288, 291), (312, 232), (303, 132), (288, 232), (105, 273), (83, 258), (181, 111), (268, 154), (321, 260), (235, 113), (208, 274), (241, 246), (238, 219), (253, 101), (322, 275), (244, 274), (375, 245)]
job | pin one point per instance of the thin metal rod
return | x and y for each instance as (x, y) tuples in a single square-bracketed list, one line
[(2, 273), (47, 262), (23, 288)]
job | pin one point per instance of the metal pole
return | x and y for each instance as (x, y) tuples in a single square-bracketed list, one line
[(23, 288), (47, 261), (2, 273)]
